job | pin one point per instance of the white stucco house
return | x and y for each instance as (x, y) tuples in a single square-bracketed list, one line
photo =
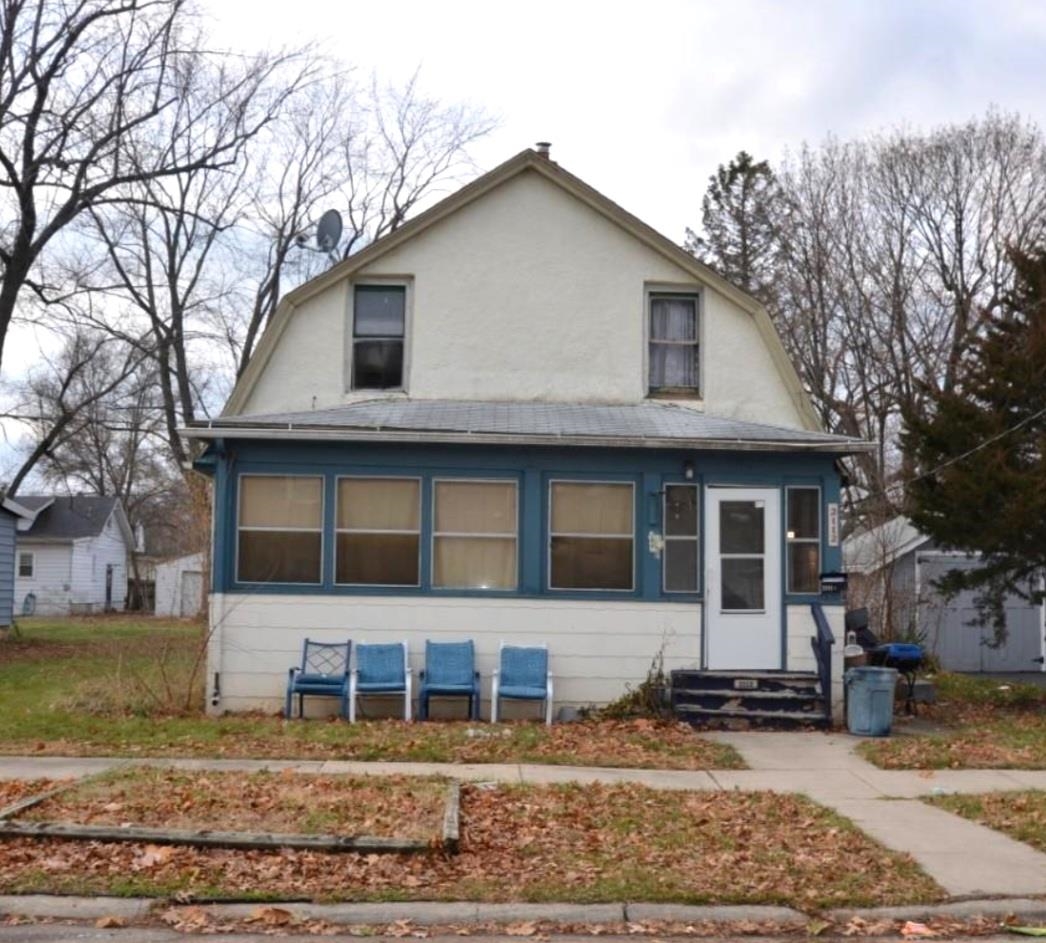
[(72, 556), (524, 416)]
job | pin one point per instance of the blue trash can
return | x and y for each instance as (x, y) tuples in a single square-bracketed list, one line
[(869, 700)]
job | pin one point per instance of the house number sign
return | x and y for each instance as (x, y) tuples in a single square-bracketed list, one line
[(833, 524)]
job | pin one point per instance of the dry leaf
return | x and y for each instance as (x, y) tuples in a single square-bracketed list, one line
[(271, 916), (913, 929), (106, 923), (527, 928)]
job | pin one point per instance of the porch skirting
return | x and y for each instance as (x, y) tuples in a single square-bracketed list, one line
[(597, 647)]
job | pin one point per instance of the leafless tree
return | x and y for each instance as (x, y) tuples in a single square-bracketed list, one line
[(92, 92)]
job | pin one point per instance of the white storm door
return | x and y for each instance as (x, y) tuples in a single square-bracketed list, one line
[(743, 578)]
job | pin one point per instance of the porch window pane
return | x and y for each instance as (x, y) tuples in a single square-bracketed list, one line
[(474, 535), (474, 563), (741, 527), (681, 566), (742, 584), (378, 559), (591, 539), (804, 516), (280, 524), (803, 568), (591, 563), (273, 556), (378, 525), (581, 508)]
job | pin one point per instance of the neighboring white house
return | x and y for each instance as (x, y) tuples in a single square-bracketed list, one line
[(72, 556), (523, 416), (179, 586)]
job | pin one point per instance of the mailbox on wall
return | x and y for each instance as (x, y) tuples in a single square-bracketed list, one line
[(833, 583)]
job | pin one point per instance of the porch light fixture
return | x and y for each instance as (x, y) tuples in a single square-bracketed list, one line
[(688, 470)]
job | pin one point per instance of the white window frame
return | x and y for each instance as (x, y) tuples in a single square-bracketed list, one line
[(653, 292), (369, 530), (350, 334), (549, 534), (789, 540), (485, 536), (23, 555), (284, 530), (666, 537)]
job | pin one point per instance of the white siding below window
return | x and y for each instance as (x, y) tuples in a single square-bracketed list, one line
[(51, 582), (596, 648)]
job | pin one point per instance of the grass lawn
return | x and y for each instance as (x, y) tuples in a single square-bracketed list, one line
[(393, 807), (525, 843), (988, 725), (126, 686), (1021, 815)]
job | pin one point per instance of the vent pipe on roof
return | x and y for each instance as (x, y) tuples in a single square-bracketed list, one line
[(543, 148)]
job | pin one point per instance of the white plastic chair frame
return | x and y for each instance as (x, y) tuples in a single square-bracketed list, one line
[(495, 683), (408, 693)]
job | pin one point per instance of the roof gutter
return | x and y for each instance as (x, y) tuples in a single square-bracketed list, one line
[(292, 433)]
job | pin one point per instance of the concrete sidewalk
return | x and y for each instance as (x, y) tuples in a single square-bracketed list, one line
[(963, 857)]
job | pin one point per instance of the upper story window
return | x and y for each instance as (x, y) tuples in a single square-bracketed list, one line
[(804, 540), (280, 529), (25, 564), (674, 346), (378, 326)]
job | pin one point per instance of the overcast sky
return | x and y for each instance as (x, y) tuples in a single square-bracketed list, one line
[(644, 99)]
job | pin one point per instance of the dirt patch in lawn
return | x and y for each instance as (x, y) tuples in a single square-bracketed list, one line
[(393, 806), (628, 744), (985, 725), (1021, 815), (532, 843)]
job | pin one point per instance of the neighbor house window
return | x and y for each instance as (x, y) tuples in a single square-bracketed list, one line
[(474, 535), (378, 531), (280, 529), (378, 322), (25, 564), (804, 540), (679, 564), (591, 528), (674, 347)]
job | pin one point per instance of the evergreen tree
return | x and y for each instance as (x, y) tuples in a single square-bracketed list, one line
[(982, 449), (737, 220)]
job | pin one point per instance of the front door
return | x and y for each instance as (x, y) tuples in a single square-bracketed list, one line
[(743, 578)]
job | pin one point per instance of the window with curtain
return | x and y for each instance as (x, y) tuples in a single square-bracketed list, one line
[(679, 558), (804, 540), (378, 531), (378, 324), (280, 529), (474, 535), (674, 346), (591, 535)]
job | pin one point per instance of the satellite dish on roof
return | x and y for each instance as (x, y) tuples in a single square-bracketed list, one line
[(328, 231)]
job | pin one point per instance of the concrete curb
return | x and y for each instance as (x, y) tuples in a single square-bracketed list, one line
[(1027, 907), (75, 908), (713, 913)]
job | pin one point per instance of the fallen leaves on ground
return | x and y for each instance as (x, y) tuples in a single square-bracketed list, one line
[(388, 806), (533, 843), (1021, 815)]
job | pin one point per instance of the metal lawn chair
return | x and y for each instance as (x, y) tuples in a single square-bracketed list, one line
[(380, 669), (450, 670), (324, 672), (522, 675)]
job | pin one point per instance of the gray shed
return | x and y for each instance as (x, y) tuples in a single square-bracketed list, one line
[(892, 570)]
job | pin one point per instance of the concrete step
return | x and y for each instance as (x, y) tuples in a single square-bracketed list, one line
[(735, 717), (744, 680), (778, 701)]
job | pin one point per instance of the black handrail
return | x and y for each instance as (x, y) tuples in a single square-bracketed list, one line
[(822, 644)]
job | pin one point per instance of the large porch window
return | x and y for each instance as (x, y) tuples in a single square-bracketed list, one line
[(591, 542), (474, 539), (378, 532), (280, 538)]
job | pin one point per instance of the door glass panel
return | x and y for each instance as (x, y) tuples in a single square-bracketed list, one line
[(741, 527), (742, 584)]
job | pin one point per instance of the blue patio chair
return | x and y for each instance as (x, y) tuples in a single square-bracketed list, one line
[(324, 672), (450, 669), (522, 675), (380, 669)]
